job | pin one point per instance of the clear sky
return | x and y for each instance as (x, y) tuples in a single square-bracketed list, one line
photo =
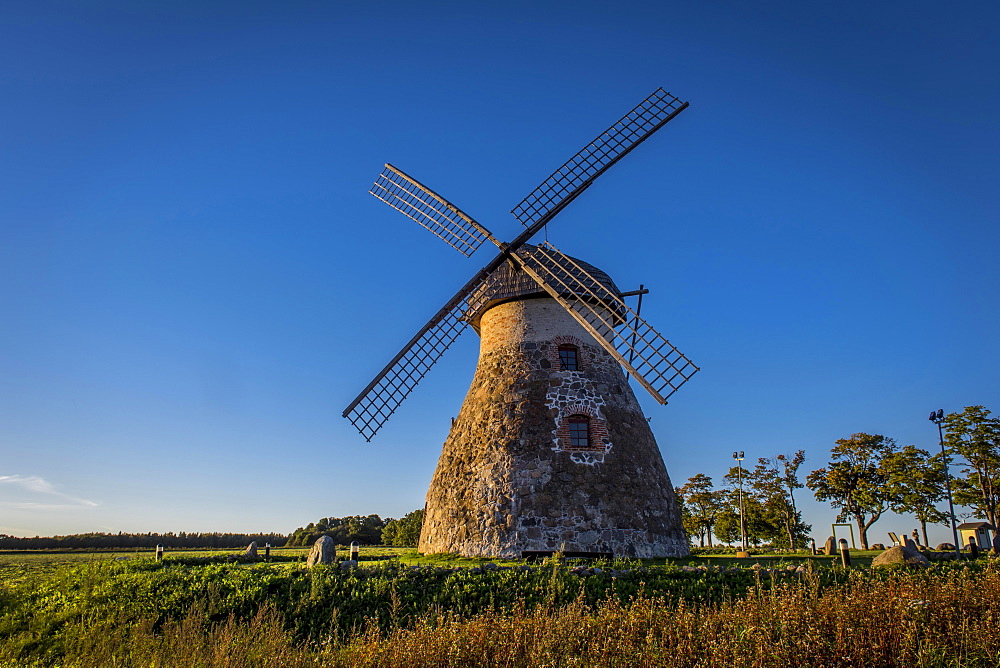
[(194, 281)]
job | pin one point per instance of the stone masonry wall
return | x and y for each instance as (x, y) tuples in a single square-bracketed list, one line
[(508, 481)]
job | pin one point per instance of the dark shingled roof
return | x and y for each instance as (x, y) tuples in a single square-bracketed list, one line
[(509, 284)]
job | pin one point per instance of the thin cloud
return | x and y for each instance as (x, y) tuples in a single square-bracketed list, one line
[(39, 485)]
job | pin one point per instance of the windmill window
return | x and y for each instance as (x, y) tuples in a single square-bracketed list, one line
[(579, 431), (568, 358)]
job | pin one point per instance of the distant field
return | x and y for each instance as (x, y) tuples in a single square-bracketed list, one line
[(65, 609), (405, 555)]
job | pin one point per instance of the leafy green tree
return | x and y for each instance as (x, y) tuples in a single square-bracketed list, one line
[(701, 505), (688, 522), (916, 481), (404, 532), (772, 483), (366, 530), (760, 526), (727, 525), (975, 437), (855, 480)]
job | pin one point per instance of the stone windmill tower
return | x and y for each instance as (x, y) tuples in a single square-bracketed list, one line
[(550, 450)]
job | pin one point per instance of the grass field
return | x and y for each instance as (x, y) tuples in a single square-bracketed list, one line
[(203, 608)]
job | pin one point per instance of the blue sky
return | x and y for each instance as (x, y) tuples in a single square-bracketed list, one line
[(195, 281)]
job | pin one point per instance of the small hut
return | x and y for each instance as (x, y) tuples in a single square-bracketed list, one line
[(983, 532)]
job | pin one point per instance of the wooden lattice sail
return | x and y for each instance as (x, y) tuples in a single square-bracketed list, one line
[(550, 450)]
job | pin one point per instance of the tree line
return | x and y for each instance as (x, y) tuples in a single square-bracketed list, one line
[(867, 476), (363, 529), (123, 540)]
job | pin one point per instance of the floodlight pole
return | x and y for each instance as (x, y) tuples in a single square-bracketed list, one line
[(937, 417), (739, 456)]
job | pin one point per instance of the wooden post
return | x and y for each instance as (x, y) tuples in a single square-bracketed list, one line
[(973, 548), (267, 551), (159, 553), (354, 551), (845, 553)]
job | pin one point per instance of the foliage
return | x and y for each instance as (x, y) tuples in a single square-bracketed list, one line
[(975, 437), (366, 530), (855, 480), (768, 503), (120, 540), (404, 532), (150, 613), (916, 482), (700, 505)]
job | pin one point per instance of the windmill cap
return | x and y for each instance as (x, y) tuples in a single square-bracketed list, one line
[(507, 284)]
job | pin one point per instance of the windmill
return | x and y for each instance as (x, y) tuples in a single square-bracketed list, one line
[(550, 450)]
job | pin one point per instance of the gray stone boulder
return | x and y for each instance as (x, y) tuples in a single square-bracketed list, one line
[(251, 550), (349, 564), (898, 555), (830, 547), (877, 546), (945, 547), (324, 551)]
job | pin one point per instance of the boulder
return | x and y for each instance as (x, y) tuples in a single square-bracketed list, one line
[(251, 550), (324, 551), (945, 547), (831, 546), (906, 556), (348, 565), (877, 546), (996, 544)]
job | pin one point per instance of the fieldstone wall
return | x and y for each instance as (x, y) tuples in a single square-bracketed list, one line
[(508, 480)]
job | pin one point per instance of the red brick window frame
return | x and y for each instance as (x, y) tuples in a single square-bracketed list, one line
[(568, 431), (569, 357), (579, 432), (561, 343)]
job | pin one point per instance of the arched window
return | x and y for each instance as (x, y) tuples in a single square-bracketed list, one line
[(579, 431), (568, 358)]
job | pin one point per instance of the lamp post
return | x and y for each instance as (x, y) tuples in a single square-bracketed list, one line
[(937, 417), (739, 457)]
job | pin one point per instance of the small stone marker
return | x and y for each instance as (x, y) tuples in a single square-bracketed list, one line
[(347, 565), (323, 551), (899, 554), (251, 550), (996, 544), (878, 546), (945, 547), (830, 548), (973, 547)]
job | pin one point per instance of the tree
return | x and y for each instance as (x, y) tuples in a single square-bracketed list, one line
[(916, 482), (975, 437), (760, 522), (773, 488), (855, 480), (366, 530), (404, 532), (701, 505)]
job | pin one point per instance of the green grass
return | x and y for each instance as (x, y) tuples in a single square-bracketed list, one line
[(71, 608)]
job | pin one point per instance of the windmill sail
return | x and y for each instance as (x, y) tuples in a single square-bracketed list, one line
[(421, 204), (377, 402), (648, 357), (576, 175)]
